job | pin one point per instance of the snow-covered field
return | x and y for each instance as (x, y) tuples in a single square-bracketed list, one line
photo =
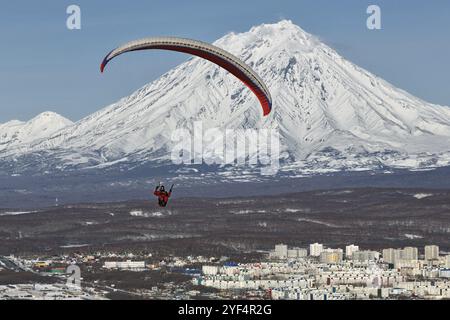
[(145, 214), (420, 196), (16, 213)]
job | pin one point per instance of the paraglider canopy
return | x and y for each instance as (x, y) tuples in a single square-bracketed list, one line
[(206, 51)]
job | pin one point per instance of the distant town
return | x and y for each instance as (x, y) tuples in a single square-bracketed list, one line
[(284, 273), (337, 274)]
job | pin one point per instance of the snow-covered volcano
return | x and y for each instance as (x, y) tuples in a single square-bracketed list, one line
[(331, 114), (17, 133)]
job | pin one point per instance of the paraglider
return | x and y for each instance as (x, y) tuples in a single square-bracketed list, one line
[(163, 195), (206, 51)]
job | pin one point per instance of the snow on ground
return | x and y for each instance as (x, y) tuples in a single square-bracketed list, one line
[(247, 211), (140, 213), (318, 222), (68, 246), (58, 291), (242, 211), (16, 213), (420, 196), (262, 224), (292, 210), (412, 236)]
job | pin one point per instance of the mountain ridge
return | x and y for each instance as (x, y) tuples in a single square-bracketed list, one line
[(15, 133), (331, 114)]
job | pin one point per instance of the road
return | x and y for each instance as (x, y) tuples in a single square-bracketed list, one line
[(10, 265)]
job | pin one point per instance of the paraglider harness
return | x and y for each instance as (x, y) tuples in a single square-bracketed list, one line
[(163, 195)]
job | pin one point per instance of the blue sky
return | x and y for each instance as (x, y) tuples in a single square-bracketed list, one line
[(44, 66)]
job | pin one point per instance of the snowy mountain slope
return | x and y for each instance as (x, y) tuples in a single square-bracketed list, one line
[(331, 114), (16, 133)]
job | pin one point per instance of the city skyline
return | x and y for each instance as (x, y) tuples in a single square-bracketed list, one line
[(284, 273)]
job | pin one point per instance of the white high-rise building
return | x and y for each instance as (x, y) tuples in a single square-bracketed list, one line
[(297, 253), (210, 270), (124, 265), (281, 251), (431, 252), (315, 249), (392, 255), (388, 255), (350, 249), (292, 253), (331, 256), (365, 256), (405, 254), (410, 253), (302, 252)]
